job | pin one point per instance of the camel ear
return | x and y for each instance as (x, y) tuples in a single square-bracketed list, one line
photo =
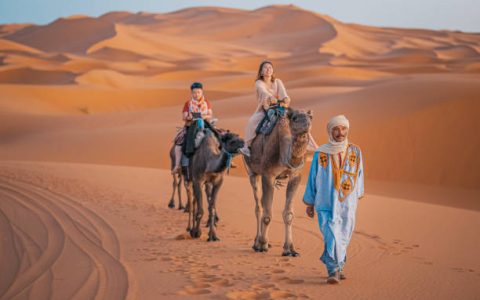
[(310, 114)]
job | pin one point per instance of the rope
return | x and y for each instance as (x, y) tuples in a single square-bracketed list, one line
[(229, 160)]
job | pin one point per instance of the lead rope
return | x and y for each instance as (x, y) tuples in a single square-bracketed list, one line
[(229, 160)]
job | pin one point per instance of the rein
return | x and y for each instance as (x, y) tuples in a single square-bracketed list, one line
[(229, 159)]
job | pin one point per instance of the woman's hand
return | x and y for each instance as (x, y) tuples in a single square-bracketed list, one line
[(310, 211), (273, 101), (285, 101)]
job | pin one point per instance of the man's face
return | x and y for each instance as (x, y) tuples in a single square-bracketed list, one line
[(197, 94), (339, 133)]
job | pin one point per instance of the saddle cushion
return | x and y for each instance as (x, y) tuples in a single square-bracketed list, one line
[(270, 120)]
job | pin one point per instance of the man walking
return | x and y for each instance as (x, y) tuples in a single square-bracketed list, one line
[(335, 184)]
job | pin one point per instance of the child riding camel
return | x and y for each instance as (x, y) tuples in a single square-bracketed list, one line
[(198, 107)]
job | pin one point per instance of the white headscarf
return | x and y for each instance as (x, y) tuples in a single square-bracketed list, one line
[(334, 147)]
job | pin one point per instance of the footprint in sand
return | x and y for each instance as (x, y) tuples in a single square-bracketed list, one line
[(265, 286), (295, 281), (460, 270), (260, 295), (289, 280), (224, 283), (281, 295), (194, 291), (238, 295), (201, 285)]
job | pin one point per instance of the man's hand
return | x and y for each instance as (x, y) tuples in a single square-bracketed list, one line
[(189, 117), (310, 211), (273, 101)]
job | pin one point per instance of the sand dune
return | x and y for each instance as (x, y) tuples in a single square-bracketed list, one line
[(32, 76), (89, 107), (64, 35), (108, 53)]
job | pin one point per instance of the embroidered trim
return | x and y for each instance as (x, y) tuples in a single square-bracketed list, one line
[(346, 186)]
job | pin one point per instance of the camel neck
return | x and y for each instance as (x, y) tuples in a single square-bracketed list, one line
[(298, 149), (222, 162)]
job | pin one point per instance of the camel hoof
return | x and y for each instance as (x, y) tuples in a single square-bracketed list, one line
[(181, 207), (260, 250), (171, 204), (195, 233), (213, 239), (186, 210), (257, 249), (291, 254)]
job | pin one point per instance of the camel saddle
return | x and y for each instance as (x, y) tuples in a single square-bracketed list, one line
[(270, 119)]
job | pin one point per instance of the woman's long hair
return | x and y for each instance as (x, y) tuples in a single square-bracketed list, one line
[(259, 74)]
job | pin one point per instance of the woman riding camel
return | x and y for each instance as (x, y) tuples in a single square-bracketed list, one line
[(270, 91), (197, 105)]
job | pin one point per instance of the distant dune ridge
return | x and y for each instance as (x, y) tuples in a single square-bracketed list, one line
[(89, 107), (410, 93)]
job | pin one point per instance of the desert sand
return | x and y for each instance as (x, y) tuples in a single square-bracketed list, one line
[(89, 107)]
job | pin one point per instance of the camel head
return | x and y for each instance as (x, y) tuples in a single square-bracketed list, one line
[(232, 142), (300, 121)]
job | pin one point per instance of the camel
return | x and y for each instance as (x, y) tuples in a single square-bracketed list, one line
[(208, 165), (281, 154), (178, 178)]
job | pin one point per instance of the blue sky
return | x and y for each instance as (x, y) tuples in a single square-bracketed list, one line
[(434, 14)]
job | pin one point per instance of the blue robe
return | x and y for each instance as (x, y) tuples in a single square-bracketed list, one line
[(334, 192)]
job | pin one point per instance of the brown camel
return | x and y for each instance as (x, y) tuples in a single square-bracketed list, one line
[(208, 165), (281, 154)]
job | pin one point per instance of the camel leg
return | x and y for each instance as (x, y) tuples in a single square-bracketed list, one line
[(258, 211), (179, 189), (196, 232), (208, 192), (190, 209), (189, 190), (171, 203), (212, 210), (288, 249), (267, 202)]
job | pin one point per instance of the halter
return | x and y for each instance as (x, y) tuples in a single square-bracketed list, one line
[(229, 159)]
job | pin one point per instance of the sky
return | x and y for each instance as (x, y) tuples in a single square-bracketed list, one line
[(461, 15)]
